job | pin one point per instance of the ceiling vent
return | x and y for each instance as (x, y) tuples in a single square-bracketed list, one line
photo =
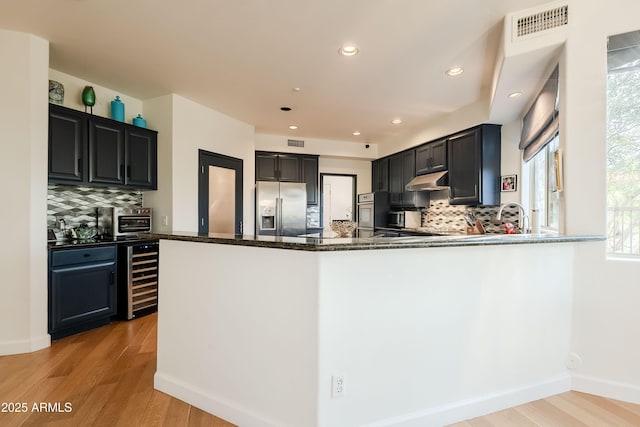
[(540, 22), (295, 143)]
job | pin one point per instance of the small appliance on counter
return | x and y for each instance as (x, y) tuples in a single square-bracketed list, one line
[(123, 222), (404, 218)]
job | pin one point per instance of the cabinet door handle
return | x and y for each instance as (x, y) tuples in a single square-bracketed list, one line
[(112, 278), (129, 171), (79, 166)]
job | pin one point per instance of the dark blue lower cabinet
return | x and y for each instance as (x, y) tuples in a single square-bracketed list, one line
[(82, 289)]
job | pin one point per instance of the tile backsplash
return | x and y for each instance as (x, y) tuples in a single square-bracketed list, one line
[(78, 205), (443, 216)]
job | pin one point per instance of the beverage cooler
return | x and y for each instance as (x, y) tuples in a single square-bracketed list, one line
[(137, 279)]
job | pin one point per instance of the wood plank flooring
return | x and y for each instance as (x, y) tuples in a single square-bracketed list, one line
[(106, 376)]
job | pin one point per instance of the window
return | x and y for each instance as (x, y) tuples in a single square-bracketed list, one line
[(543, 191), (623, 145)]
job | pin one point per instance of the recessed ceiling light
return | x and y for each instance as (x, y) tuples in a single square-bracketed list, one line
[(296, 89), (515, 94), (285, 108), (293, 127), (348, 50), (356, 133), (396, 121), (455, 71)]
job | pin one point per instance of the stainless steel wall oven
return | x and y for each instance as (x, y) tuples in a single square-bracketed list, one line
[(372, 212)]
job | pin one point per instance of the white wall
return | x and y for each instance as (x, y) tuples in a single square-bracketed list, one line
[(360, 168), (73, 87), (258, 347), (159, 113), (198, 127), (511, 162), (606, 319), (461, 119), (321, 147), (235, 341), (23, 170), (420, 349)]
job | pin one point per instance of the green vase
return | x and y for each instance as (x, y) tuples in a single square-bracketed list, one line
[(88, 97)]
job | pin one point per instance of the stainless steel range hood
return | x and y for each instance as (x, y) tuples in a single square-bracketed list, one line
[(429, 182)]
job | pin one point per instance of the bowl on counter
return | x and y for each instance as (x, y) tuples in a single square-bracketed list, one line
[(343, 227), (85, 233)]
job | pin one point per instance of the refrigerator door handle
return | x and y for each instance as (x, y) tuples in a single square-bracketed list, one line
[(278, 216)]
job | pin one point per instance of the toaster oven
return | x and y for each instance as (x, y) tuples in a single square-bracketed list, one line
[(122, 222)]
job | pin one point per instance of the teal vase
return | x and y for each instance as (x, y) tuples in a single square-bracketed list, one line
[(88, 98), (117, 109), (139, 121)]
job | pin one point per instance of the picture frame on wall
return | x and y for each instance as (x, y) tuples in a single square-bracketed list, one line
[(509, 183)]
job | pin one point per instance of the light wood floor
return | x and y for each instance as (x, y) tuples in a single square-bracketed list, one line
[(107, 376)]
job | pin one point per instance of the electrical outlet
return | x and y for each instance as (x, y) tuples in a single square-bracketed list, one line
[(165, 220), (573, 361), (337, 386)]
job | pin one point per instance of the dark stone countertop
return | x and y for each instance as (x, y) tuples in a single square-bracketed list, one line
[(316, 244), (88, 243)]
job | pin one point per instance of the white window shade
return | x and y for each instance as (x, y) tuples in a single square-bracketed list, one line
[(541, 123)]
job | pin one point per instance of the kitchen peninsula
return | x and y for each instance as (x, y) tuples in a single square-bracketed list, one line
[(419, 331)]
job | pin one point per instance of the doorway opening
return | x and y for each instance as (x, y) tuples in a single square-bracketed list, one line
[(337, 198), (219, 194)]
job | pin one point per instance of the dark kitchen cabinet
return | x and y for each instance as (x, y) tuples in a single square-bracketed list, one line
[(402, 168), (67, 155), (278, 167), (285, 167), (431, 157), (141, 154), (310, 177), (380, 175), (82, 289), (87, 149), (474, 166), (106, 152)]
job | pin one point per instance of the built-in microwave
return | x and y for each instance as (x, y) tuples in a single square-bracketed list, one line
[(121, 222), (404, 219)]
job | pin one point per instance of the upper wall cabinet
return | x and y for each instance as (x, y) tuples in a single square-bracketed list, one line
[(474, 166), (285, 167), (278, 167), (402, 167), (310, 177), (86, 149), (67, 145), (380, 175), (431, 157)]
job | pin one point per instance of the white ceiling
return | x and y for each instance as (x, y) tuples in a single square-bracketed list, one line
[(244, 57)]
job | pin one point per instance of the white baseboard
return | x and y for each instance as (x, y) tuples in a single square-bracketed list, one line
[(438, 416), (606, 388), (25, 346), (209, 403), (478, 406)]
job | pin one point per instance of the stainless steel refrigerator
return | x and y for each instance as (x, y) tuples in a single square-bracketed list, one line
[(281, 208)]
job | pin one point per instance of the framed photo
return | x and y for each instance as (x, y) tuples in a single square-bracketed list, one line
[(509, 183)]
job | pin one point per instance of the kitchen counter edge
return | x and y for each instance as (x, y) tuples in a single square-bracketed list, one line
[(315, 244), (82, 244)]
